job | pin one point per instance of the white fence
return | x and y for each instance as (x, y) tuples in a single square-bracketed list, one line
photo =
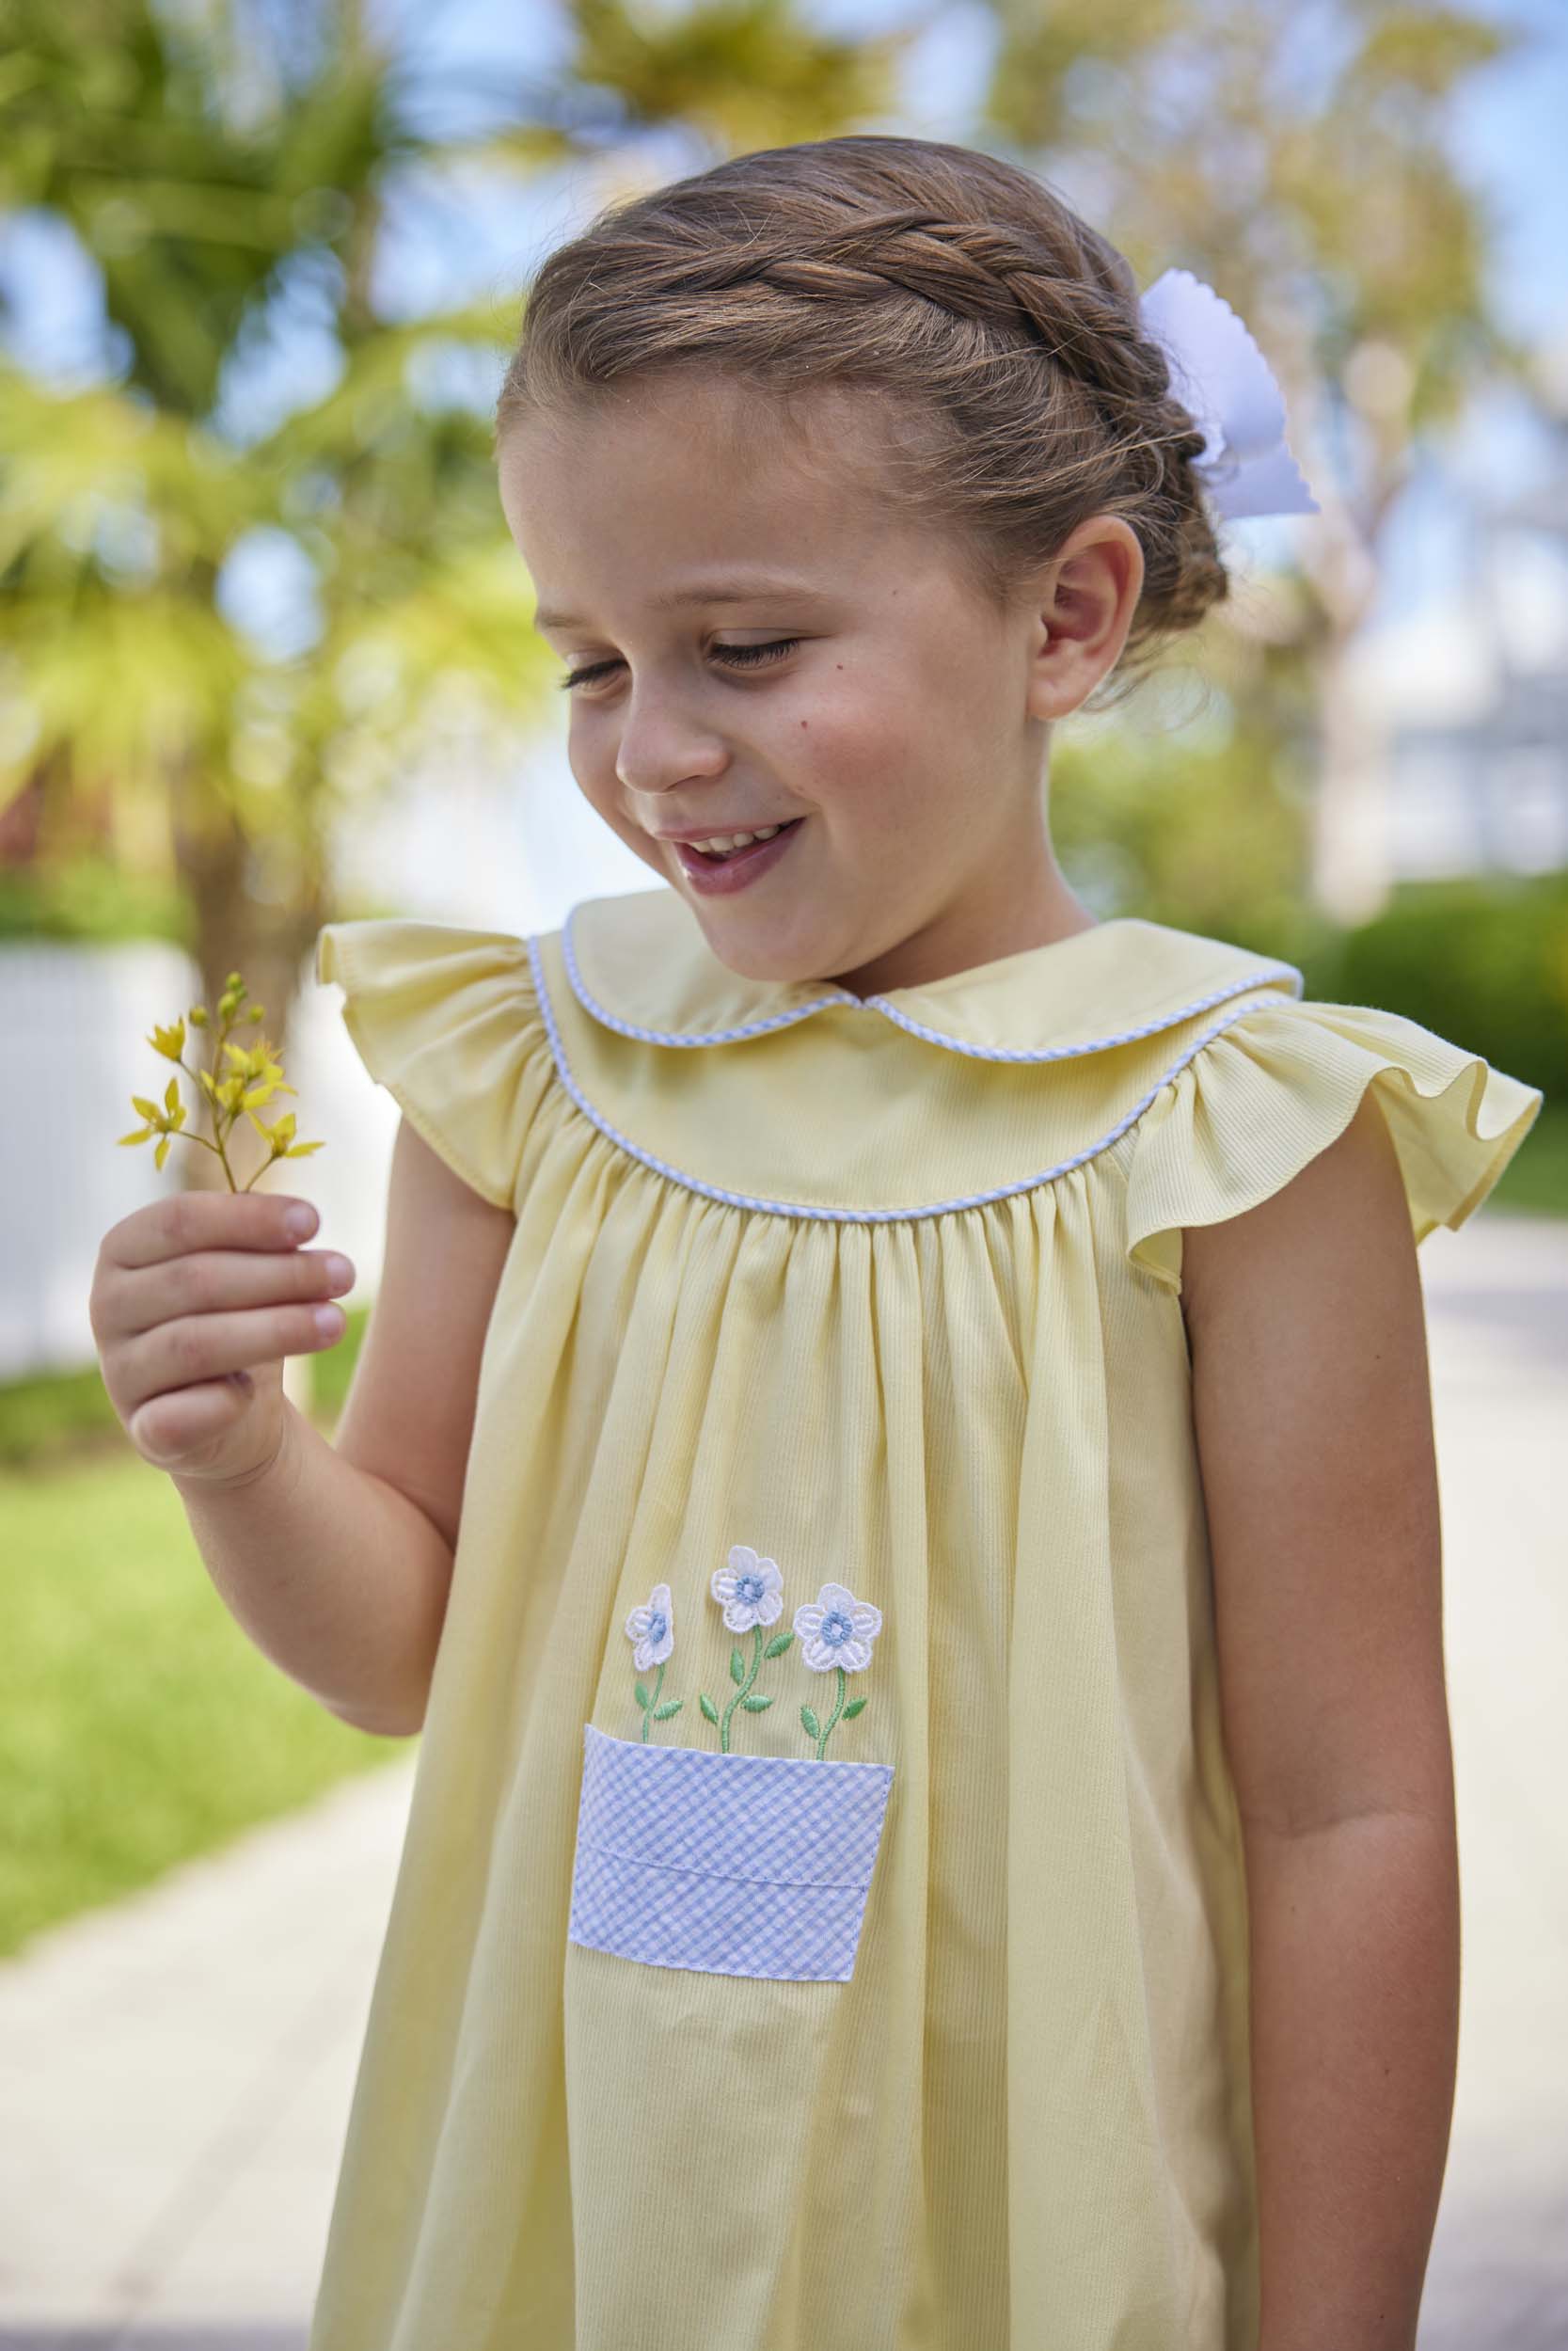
[(494, 847), (74, 1025)]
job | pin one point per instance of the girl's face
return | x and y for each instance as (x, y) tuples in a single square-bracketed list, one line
[(755, 644)]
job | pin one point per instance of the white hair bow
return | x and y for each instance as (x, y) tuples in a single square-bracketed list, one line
[(1219, 373)]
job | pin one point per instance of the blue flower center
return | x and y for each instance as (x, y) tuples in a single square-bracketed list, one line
[(751, 1589), (836, 1628), (657, 1625)]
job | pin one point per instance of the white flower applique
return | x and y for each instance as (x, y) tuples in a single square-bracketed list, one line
[(751, 1592), (836, 1631), (652, 1629), (836, 1635)]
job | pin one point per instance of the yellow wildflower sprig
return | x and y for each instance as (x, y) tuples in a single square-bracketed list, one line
[(254, 1076)]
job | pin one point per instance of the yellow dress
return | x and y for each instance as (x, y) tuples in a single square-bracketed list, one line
[(822, 1919)]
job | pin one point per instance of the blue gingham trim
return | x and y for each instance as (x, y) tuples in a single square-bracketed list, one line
[(1265, 972), (810, 1211), (607, 1019), (731, 1865)]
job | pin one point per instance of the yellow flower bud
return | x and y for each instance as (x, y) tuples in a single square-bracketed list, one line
[(254, 1074)]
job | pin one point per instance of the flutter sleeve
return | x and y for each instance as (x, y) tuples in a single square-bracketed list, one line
[(448, 1021), (1255, 1103)]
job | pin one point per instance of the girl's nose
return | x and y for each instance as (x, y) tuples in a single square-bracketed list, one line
[(657, 755)]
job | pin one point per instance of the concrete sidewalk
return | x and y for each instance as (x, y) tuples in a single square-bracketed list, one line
[(177, 2070)]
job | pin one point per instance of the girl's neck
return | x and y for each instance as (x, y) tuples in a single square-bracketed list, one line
[(946, 947)]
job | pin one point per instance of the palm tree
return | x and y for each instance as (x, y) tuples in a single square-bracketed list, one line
[(230, 170)]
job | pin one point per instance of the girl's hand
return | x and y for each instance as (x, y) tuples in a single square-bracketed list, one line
[(196, 1300)]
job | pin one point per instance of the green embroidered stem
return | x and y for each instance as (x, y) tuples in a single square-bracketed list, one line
[(815, 1730), (652, 1711), (744, 1695), (833, 1717), (743, 1683)]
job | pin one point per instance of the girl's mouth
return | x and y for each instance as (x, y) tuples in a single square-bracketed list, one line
[(718, 876)]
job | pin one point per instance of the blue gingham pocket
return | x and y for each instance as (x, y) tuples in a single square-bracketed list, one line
[(734, 1865)]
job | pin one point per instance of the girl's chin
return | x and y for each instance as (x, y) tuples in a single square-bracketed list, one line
[(775, 954)]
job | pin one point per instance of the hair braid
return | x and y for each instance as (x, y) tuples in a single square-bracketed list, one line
[(1020, 390)]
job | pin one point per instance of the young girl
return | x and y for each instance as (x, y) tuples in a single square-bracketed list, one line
[(933, 1826)]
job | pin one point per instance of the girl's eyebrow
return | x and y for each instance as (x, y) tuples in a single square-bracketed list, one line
[(730, 589)]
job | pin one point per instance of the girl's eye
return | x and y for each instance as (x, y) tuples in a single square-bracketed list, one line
[(743, 656)]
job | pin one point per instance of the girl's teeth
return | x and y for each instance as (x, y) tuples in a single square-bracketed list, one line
[(721, 844)]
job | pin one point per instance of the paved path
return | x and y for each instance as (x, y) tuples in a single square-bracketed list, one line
[(175, 2071)]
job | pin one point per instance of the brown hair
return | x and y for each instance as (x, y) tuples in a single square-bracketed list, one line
[(1019, 393)]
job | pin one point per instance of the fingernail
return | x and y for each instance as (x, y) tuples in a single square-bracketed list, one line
[(300, 1221)]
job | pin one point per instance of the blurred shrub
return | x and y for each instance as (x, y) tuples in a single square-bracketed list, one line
[(92, 899), (59, 1417), (1483, 962)]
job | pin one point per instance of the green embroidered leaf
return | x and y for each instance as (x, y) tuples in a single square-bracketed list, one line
[(755, 1705), (850, 1710), (779, 1644), (737, 1666), (674, 1706), (707, 1706), (814, 1729), (642, 1696)]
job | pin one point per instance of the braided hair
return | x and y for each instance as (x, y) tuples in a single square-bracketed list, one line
[(1018, 393)]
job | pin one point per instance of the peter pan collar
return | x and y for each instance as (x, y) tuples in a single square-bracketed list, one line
[(640, 965)]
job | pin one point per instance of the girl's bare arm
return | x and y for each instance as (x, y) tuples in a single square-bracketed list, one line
[(1313, 1418), (336, 1559)]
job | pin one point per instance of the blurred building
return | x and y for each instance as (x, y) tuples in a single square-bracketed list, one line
[(1470, 704)]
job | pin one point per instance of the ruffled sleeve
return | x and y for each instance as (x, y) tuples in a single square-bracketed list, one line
[(1255, 1103), (448, 1021)]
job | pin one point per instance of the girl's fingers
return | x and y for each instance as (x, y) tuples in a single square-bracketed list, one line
[(187, 1221), (166, 1428), (198, 1347), (219, 1280)]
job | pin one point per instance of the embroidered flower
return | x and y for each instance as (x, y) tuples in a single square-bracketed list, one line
[(750, 1589), (652, 1629), (751, 1593), (836, 1632)]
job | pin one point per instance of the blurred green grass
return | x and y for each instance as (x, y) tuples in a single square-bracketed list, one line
[(139, 1727)]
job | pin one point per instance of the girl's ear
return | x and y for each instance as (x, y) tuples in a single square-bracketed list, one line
[(1082, 612)]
